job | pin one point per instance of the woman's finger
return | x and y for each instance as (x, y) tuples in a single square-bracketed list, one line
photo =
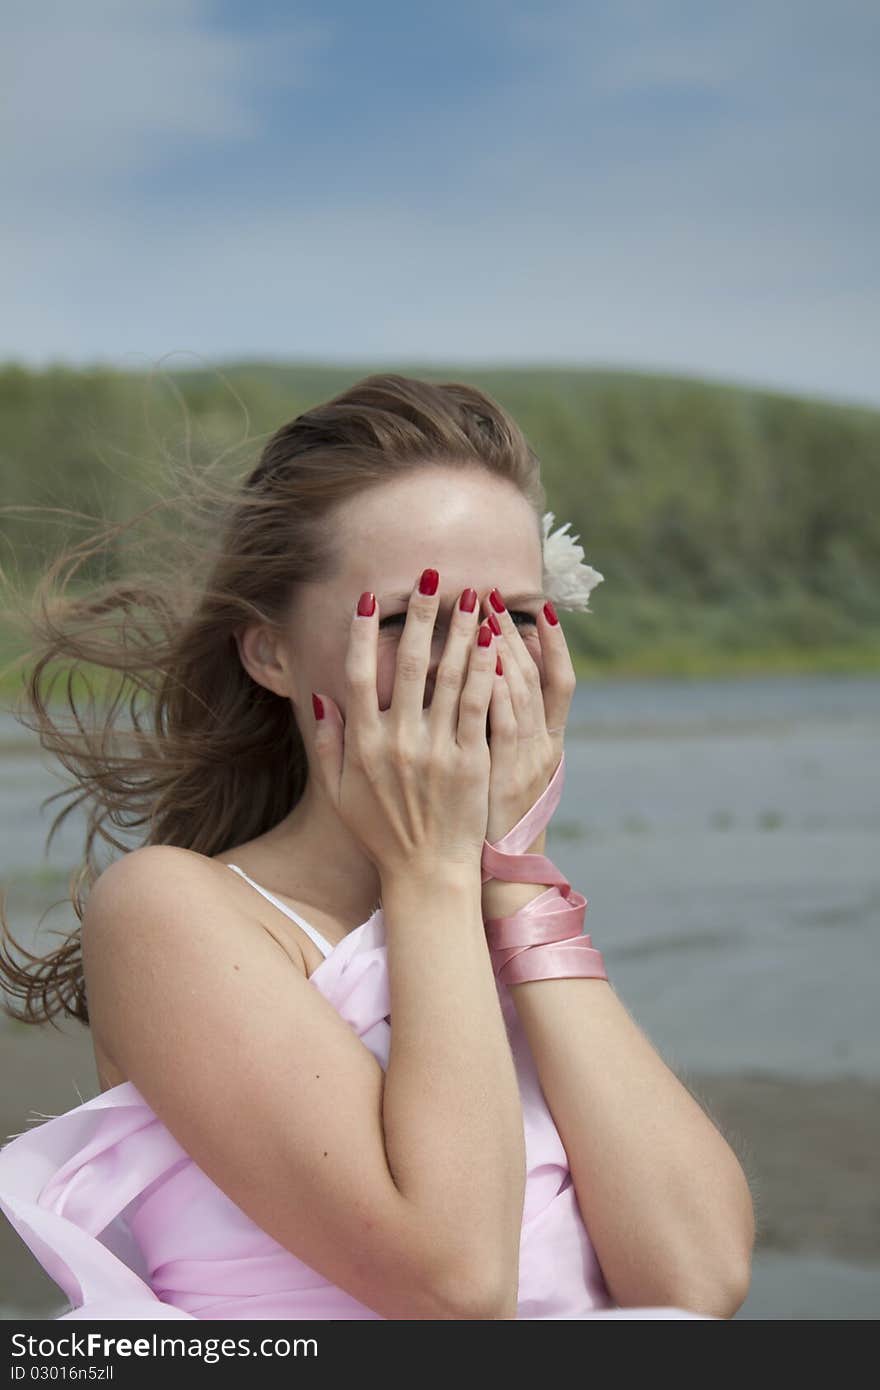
[(453, 666), (502, 723), (476, 693), (414, 652), (361, 692), (560, 679), (522, 674)]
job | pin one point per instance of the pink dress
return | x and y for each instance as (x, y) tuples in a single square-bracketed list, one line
[(128, 1226)]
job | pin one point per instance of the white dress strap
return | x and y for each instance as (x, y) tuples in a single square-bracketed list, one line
[(321, 942)]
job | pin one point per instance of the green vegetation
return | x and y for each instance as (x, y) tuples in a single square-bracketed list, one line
[(737, 530)]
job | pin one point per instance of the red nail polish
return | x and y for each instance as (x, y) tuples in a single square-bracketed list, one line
[(496, 601), (550, 613), (494, 624), (367, 604), (428, 582), (484, 636), (317, 706), (468, 600), (499, 669)]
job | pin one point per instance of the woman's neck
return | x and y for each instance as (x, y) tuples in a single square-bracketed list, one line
[(312, 857)]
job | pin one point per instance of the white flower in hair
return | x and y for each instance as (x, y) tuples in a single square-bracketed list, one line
[(568, 581)]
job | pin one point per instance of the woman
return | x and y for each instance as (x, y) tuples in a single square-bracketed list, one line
[(367, 695)]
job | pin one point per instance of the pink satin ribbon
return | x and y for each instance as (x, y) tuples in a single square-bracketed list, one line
[(545, 939)]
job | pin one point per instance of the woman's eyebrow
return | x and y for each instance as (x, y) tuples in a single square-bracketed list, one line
[(388, 600)]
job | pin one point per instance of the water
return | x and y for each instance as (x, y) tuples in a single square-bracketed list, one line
[(726, 836)]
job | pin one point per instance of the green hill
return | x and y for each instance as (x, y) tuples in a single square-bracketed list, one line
[(737, 529)]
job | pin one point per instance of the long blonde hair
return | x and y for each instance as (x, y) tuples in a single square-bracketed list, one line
[(211, 758)]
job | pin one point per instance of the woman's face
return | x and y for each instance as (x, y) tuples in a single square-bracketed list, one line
[(475, 529)]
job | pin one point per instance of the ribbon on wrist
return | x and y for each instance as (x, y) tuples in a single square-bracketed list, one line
[(544, 939)]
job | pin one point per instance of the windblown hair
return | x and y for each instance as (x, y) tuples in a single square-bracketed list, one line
[(207, 758)]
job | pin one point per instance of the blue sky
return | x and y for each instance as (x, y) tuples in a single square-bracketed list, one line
[(682, 187)]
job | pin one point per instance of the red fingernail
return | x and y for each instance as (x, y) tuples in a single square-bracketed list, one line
[(317, 706), (496, 601), (467, 600), (428, 582), (550, 613), (484, 636), (366, 604), (499, 669), (494, 624)]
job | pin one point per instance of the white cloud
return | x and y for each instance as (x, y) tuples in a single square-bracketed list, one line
[(108, 88)]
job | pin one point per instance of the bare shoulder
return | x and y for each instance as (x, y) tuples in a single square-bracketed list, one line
[(153, 905), (144, 877), (158, 878), (155, 865)]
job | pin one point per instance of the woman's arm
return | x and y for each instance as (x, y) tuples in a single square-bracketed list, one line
[(663, 1196), (451, 1106)]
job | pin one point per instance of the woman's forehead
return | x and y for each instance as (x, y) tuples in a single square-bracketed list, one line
[(421, 495), (471, 536)]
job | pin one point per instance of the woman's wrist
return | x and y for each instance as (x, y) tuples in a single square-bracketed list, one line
[(418, 879), (502, 898)]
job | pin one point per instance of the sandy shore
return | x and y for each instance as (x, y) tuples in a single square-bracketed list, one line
[(809, 1147)]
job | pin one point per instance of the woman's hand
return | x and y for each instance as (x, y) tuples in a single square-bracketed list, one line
[(412, 784), (527, 718)]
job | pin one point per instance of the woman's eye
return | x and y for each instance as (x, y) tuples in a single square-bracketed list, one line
[(401, 618)]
